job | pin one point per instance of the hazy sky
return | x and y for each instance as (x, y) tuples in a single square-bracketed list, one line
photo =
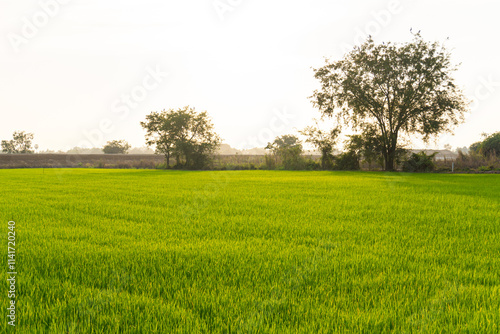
[(82, 72)]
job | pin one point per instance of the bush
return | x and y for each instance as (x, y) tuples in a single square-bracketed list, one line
[(294, 162), (270, 162), (474, 161), (347, 161), (420, 162), (310, 164), (486, 168)]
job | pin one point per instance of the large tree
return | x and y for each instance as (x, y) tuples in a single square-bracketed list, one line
[(402, 89), (183, 133), (21, 142)]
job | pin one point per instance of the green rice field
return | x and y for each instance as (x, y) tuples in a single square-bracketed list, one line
[(151, 251)]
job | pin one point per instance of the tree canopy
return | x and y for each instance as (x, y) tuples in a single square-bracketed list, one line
[(367, 145), (116, 147), (324, 141), (287, 149), (21, 142), (489, 146), (184, 134), (402, 89)]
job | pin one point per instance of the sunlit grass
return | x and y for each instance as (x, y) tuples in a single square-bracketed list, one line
[(139, 251)]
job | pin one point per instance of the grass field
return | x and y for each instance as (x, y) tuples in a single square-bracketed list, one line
[(136, 251)]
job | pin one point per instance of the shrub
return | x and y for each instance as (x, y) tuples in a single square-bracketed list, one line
[(310, 164), (162, 165), (294, 162), (347, 161), (270, 162), (474, 160), (486, 168), (420, 162)]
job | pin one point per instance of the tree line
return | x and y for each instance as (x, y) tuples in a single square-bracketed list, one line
[(387, 93)]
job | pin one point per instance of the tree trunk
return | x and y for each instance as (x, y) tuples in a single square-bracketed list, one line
[(385, 155), (168, 159), (391, 157), (390, 152), (389, 162)]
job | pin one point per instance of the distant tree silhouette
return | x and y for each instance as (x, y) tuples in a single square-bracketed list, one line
[(183, 133), (21, 142), (116, 147)]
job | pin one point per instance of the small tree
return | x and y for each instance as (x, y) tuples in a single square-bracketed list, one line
[(20, 143), (324, 141), (287, 149), (116, 147), (183, 133), (367, 145)]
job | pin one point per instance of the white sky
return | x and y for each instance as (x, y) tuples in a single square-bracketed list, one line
[(248, 63)]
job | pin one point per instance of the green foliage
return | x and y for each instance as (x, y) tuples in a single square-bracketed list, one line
[(475, 161), (270, 161), (241, 166), (183, 133), (475, 147), (310, 164), (116, 147), (21, 143), (368, 145), (347, 161), (420, 162), (490, 146), (154, 251), (399, 89), (324, 142), (287, 152), (486, 168)]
